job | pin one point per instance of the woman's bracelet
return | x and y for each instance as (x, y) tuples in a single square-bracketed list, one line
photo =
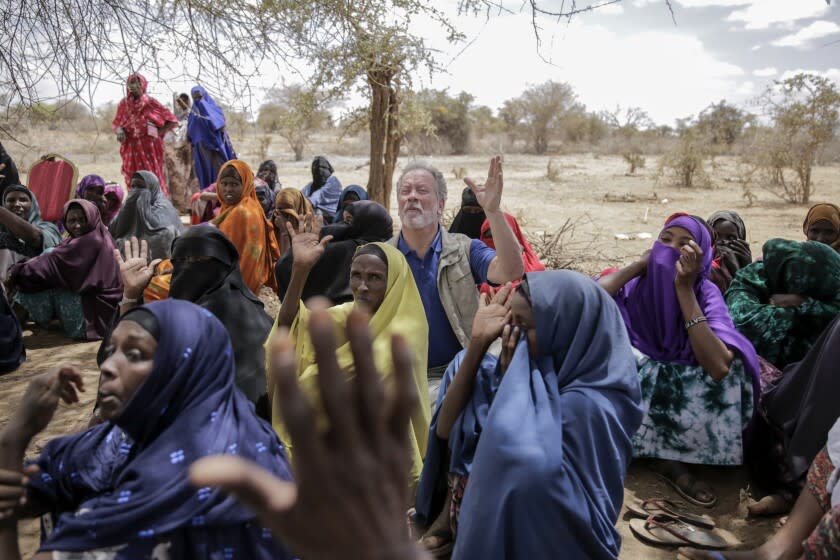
[(127, 300), (696, 321)]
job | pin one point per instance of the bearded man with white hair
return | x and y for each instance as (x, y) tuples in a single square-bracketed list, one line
[(447, 267)]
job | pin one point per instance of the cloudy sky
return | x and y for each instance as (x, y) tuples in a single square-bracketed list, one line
[(631, 53)]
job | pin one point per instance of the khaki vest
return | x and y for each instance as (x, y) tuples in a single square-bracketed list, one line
[(455, 283)]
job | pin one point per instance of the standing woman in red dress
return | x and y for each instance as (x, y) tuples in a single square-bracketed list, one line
[(140, 125)]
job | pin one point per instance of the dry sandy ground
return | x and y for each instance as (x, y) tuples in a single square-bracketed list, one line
[(541, 205)]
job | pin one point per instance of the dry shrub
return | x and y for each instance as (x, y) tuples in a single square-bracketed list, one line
[(806, 112), (459, 173), (634, 161), (683, 166), (557, 248), (263, 142), (552, 172)]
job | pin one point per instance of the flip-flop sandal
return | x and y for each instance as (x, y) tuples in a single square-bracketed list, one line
[(441, 550), (658, 506), (684, 492), (713, 555), (664, 530)]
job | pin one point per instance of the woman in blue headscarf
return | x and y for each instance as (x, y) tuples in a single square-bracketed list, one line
[(121, 489), (699, 375), (210, 141), (324, 190), (539, 438)]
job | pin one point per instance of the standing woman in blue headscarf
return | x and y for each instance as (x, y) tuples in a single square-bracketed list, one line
[(540, 438), (210, 141)]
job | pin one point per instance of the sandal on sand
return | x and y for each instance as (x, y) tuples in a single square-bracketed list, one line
[(663, 530), (711, 555), (447, 543), (658, 506), (685, 483)]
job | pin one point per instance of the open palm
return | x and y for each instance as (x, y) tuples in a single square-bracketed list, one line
[(489, 195), (135, 269), (307, 249)]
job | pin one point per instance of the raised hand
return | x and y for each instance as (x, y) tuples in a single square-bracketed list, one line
[(489, 195), (352, 479), (135, 270), (492, 315), (307, 249), (40, 400), (688, 265)]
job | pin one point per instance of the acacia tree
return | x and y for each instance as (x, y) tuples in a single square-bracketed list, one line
[(806, 113), (540, 111), (294, 112), (722, 123)]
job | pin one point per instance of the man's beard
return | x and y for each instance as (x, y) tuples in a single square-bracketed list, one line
[(419, 220)]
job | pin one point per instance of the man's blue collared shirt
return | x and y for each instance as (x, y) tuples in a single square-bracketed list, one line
[(443, 344)]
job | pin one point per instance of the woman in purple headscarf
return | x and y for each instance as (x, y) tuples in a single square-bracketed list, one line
[(210, 141), (114, 195), (78, 282), (92, 188), (699, 375)]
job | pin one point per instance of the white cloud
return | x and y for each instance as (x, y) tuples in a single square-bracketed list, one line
[(832, 74), (667, 73), (643, 3), (755, 47), (807, 35), (611, 9), (762, 14), (712, 3), (765, 72)]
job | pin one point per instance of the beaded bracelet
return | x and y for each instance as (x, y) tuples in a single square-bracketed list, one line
[(695, 321)]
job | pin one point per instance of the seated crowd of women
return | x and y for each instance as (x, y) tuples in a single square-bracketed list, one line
[(691, 355)]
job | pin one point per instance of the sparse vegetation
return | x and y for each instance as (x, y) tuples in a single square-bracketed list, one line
[(684, 166), (634, 161), (295, 113), (806, 113), (552, 172)]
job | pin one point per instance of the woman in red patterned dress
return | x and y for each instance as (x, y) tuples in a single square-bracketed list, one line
[(140, 125)]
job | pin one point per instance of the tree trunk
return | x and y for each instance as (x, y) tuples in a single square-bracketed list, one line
[(393, 139), (380, 97)]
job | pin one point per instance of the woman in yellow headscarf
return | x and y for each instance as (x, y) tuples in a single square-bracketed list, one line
[(382, 285), (242, 219), (822, 223)]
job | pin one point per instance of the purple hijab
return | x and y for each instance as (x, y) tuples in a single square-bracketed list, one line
[(652, 312), (116, 190), (84, 265), (87, 182)]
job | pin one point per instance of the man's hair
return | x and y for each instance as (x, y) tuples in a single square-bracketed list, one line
[(440, 182)]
